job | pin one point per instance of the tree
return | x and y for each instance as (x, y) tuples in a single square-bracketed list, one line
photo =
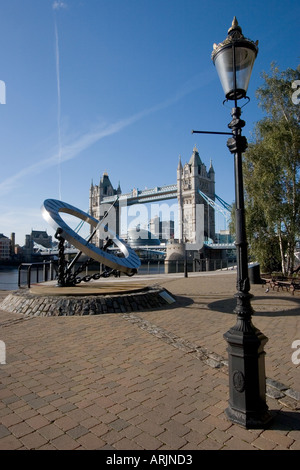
[(272, 174)]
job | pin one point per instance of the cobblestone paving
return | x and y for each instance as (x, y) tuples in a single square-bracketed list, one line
[(152, 380)]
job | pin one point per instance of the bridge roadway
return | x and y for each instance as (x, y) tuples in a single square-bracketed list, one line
[(153, 248), (162, 193), (159, 193)]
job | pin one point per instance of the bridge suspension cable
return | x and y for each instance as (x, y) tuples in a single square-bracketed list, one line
[(225, 209), (224, 203)]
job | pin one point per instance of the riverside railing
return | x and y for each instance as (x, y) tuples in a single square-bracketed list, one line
[(184, 266), (44, 271)]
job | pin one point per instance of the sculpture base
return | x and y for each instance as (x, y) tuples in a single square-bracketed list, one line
[(99, 298)]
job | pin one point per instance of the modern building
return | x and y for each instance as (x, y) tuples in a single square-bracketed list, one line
[(139, 237), (162, 229)]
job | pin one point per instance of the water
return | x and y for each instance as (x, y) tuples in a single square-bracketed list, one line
[(9, 279), (9, 275)]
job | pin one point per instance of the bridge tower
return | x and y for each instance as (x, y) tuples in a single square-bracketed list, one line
[(191, 178), (96, 209)]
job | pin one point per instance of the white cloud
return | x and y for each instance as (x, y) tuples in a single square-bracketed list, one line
[(58, 4)]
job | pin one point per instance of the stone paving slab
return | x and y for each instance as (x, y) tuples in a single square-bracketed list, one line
[(151, 380)]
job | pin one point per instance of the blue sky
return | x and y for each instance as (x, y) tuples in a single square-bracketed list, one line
[(117, 86)]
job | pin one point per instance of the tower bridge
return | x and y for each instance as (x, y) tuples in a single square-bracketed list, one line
[(194, 191)]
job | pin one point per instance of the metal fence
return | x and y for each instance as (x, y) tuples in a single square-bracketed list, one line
[(29, 273), (36, 272)]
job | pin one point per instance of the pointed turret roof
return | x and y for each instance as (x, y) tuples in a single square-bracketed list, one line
[(119, 191), (211, 168), (179, 163), (195, 159), (105, 183), (104, 178)]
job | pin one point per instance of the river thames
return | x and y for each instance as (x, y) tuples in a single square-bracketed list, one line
[(9, 278), (9, 275)]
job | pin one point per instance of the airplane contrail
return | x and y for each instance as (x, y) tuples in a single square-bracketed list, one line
[(58, 107), (81, 143)]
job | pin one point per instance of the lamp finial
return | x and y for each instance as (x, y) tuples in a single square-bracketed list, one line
[(234, 27)]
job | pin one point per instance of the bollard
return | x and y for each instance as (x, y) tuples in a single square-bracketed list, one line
[(185, 265)]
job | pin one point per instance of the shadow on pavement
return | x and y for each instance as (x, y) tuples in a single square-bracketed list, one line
[(293, 309), (285, 420)]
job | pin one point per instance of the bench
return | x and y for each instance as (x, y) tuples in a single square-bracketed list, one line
[(279, 282)]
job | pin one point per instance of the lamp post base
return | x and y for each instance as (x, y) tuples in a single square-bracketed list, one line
[(247, 385), (249, 420)]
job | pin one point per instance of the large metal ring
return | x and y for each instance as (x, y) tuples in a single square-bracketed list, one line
[(128, 264)]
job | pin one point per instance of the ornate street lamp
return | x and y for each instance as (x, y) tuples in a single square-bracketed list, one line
[(234, 59)]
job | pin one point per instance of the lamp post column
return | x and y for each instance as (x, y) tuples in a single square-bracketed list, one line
[(237, 145), (247, 381)]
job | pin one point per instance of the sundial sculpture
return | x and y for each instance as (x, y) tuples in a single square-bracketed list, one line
[(127, 263)]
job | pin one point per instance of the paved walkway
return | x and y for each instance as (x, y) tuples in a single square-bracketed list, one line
[(146, 380)]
